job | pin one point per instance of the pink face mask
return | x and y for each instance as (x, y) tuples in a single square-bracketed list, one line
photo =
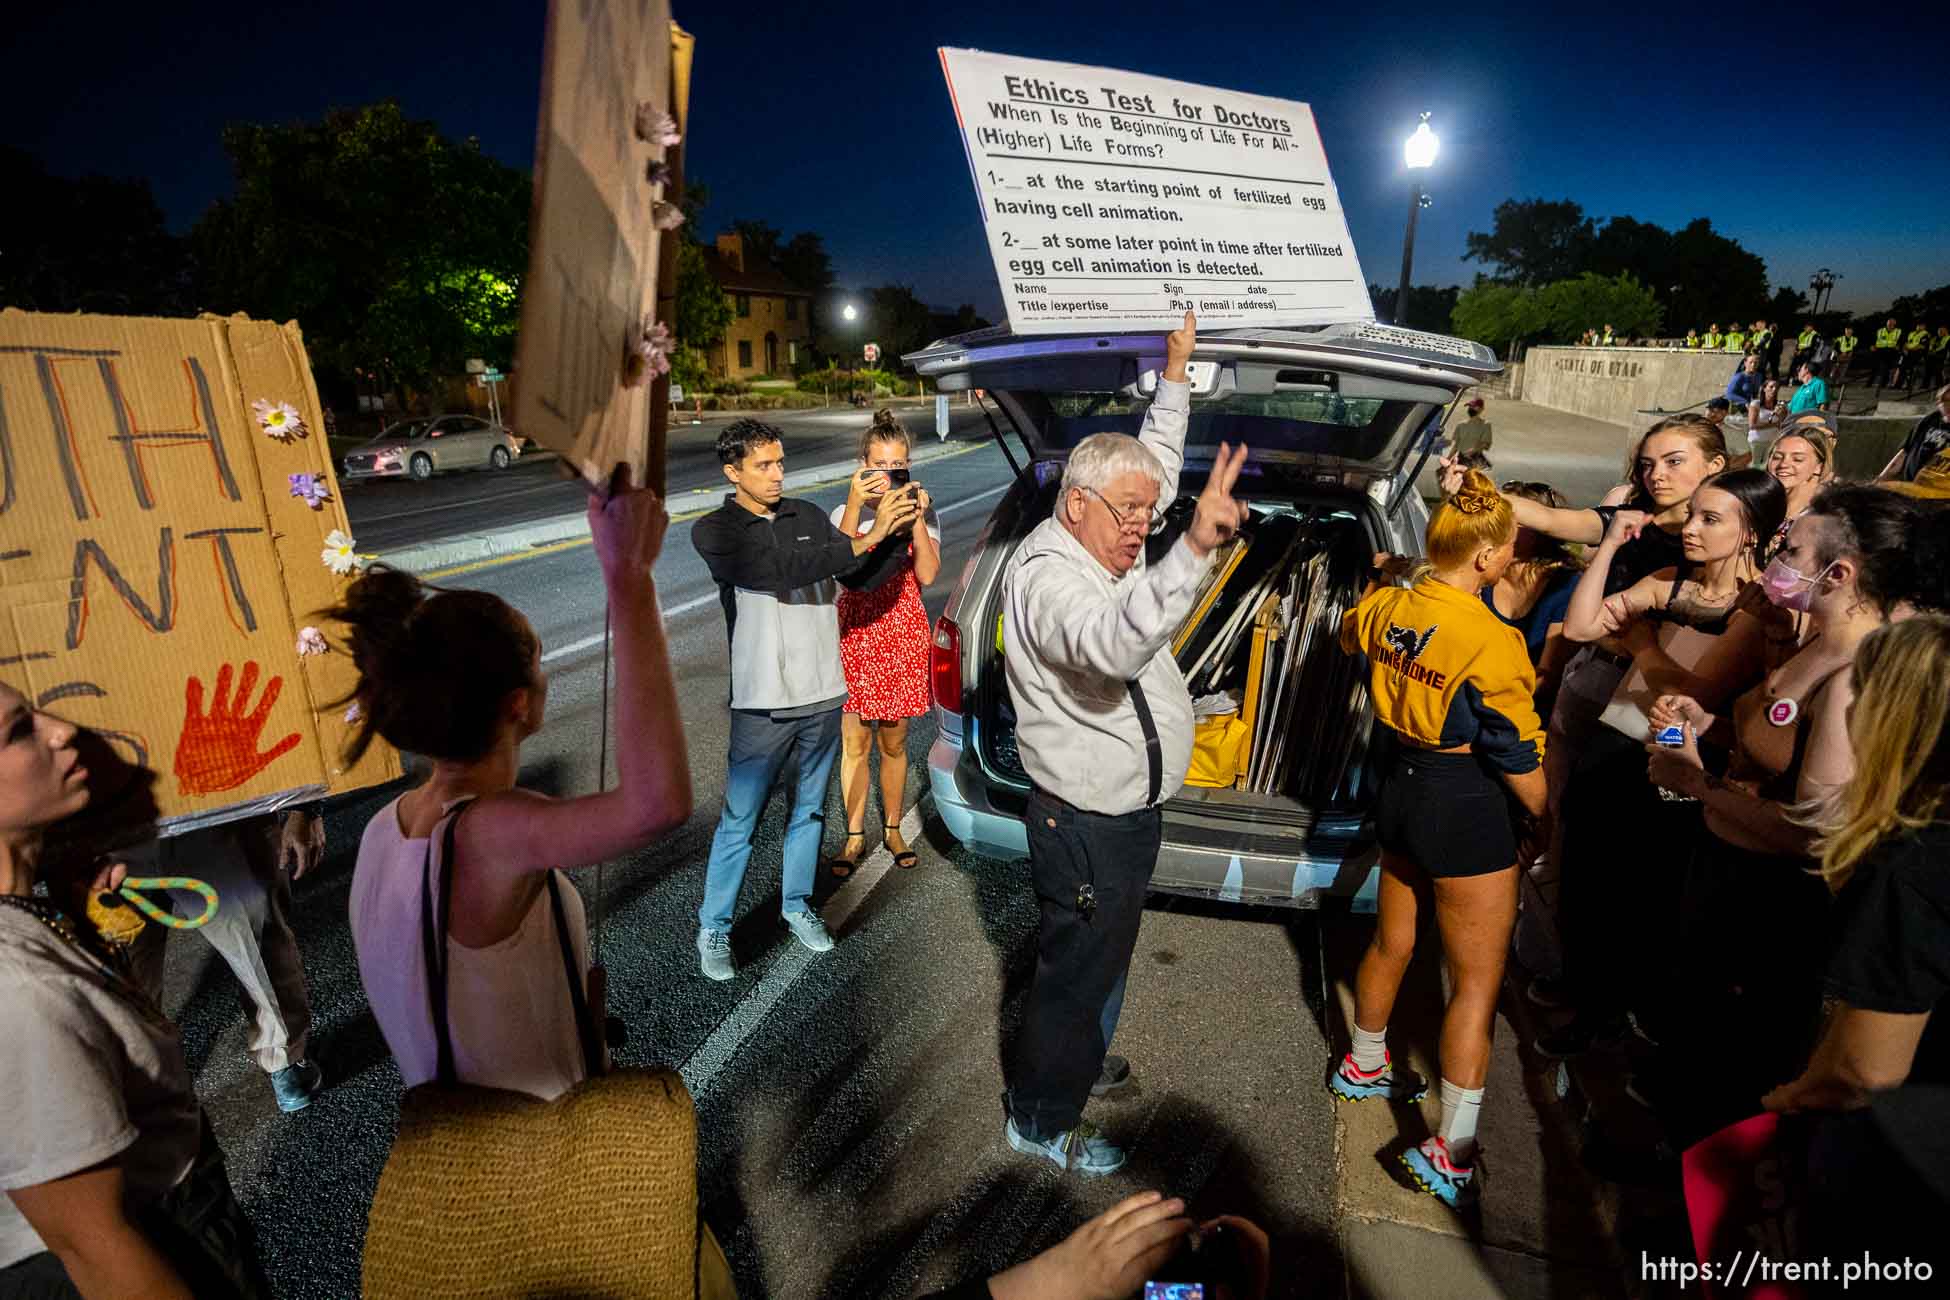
[(1788, 587)]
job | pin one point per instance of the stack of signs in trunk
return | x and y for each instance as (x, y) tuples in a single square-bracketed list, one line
[(169, 525)]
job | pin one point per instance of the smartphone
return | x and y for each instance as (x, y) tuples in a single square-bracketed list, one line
[(1673, 737), (897, 478), (1174, 1291)]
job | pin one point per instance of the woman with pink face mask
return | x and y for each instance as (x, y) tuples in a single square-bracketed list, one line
[(1753, 916)]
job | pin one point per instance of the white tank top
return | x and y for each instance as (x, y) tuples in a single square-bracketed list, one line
[(508, 1008)]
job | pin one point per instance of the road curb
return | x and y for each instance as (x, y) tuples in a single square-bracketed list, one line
[(556, 530)]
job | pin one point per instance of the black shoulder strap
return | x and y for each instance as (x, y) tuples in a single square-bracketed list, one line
[(592, 1043), (433, 941)]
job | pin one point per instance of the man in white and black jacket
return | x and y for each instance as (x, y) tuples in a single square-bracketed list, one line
[(777, 561)]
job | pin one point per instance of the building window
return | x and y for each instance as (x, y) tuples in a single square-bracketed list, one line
[(744, 304), (744, 354), (792, 309), (792, 352)]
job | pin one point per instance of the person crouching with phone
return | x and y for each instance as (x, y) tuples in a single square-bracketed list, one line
[(1454, 683), (884, 641)]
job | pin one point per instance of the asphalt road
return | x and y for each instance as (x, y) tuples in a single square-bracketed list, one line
[(387, 514), (851, 1129)]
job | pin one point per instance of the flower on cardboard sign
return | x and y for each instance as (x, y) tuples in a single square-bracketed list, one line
[(279, 419), (354, 713), (656, 126), (655, 348), (311, 642), (659, 173), (339, 555), (310, 489), (666, 216)]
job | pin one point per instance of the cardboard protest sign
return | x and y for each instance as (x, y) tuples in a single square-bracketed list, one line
[(169, 520), (1117, 202), (591, 294)]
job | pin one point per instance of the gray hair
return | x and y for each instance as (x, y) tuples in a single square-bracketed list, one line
[(1104, 457)]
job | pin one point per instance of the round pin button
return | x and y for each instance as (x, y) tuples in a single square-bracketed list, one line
[(1782, 712)]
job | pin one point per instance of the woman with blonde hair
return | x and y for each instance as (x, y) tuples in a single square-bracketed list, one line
[(884, 645), (1454, 685), (1803, 461)]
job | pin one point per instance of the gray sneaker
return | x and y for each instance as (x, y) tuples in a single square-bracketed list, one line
[(714, 955), (296, 1084), (1115, 1074), (808, 929), (1083, 1149)]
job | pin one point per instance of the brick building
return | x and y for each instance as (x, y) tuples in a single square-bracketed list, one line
[(771, 319)]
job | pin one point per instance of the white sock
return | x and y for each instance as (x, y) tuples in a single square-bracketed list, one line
[(1370, 1049), (1459, 1110)]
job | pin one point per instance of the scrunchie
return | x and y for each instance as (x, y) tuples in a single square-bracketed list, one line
[(1474, 503)]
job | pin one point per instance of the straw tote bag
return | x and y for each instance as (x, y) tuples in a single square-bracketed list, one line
[(491, 1193)]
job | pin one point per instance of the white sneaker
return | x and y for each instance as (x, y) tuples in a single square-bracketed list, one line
[(714, 955), (808, 929)]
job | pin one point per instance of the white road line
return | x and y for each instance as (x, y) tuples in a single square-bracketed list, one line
[(711, 597), (717, 1051)]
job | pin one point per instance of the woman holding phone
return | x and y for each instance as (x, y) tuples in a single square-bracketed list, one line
[(884, 642)]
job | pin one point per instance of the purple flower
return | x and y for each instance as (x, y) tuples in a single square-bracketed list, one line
[(310, 489), (658, 173), (655, 349)]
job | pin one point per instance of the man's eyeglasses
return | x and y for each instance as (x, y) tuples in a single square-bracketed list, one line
[(1129, 520)]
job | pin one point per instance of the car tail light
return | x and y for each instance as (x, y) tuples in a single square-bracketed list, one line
[(944, 665)]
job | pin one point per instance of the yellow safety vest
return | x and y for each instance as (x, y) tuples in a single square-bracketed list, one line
[(1692, 340), (1888, 338), (1607, 342), (1940, 342), (1845, 344), (1761, 337), (1736, 341), (1712, 340), (1916, 340), (1806, 341)]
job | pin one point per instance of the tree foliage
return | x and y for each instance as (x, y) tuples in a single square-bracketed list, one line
[(92, 244), (1429, 308), (703, 311), (1592, 301), (1500, 316), (400, 252), (898, 321), (1534, 241)]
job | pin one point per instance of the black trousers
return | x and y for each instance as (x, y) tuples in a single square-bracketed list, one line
[(1080, 953)]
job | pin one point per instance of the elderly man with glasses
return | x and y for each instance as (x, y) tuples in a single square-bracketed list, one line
[(1104, 723)]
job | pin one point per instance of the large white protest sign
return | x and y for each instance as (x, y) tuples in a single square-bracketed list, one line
[(1114, 201)]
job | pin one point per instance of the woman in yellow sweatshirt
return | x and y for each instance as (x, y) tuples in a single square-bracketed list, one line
[(1454, 683)]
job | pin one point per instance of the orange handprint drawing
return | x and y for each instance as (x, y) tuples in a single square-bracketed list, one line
[(218, 750)]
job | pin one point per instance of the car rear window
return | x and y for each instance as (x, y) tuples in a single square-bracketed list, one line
[(1355, 429)]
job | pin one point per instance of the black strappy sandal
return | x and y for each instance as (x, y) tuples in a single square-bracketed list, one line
[(843, 866), (905, 861)]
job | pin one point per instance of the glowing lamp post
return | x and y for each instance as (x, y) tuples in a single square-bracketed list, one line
[(1419, 151)]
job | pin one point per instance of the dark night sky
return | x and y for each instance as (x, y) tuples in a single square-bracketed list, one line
[(1819, 142)]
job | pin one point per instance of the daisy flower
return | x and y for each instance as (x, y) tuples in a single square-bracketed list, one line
[(310, 489), (311, 642), (666, 216), (339, 555), (279, 419)]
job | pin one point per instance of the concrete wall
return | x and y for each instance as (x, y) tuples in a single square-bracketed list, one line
[(1617, 384)]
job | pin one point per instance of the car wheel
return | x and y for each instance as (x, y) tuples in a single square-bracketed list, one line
[(422, 466), (498, 458)]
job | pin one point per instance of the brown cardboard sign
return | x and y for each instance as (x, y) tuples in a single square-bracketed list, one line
[(161, 553), (591, 289)]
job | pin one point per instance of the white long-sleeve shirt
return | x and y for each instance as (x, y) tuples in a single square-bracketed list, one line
[(1073, 635)]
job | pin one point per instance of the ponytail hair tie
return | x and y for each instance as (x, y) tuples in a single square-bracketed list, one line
[(1474, 503)]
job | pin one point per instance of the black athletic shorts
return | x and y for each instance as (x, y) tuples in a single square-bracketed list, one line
[(1446, 813)]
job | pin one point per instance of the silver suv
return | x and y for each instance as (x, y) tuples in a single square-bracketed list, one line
[(1340, 419)]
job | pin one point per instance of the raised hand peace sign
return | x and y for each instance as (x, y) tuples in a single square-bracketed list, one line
[(1218, 516)]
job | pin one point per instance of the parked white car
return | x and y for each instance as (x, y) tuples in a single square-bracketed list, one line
[(421, 448)]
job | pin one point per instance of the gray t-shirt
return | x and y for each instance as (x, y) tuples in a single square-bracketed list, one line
[(89, 1073)]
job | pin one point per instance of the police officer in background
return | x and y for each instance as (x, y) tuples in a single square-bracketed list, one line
[(1887, 353), (1916, 350), (1104, 724), (1845, 349)]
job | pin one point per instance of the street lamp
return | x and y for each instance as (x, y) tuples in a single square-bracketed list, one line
[(849, 312), (1419, 151)]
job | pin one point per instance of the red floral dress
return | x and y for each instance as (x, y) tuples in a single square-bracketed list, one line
[(884, 640)]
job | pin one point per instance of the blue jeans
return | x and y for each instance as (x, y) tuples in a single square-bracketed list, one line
[(759, 748)]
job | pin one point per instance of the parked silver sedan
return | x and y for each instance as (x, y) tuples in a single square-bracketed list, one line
[(419, 448)]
